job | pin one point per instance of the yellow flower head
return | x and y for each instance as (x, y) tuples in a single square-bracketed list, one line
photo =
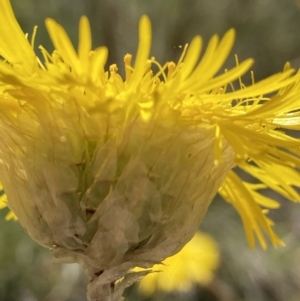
[(195, 263), (116, 172)]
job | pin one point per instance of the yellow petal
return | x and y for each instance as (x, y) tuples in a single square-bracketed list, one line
[(14, 47), (63, 45), (192, 56), (85, 41), (236, 192), (98, 61), (142, 52)]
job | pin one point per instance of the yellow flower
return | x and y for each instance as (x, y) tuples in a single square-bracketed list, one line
[(115, 173), (3, 204), (195, 263)]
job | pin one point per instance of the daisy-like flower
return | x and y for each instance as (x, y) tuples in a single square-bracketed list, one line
[(114, 172)]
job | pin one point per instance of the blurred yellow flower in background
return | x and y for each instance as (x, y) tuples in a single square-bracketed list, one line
[(3, 204), (195, 263), (114, 172)]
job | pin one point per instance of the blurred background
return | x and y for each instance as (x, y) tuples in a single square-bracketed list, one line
[(269, 32)]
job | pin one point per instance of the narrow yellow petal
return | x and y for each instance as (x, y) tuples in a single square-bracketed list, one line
[(261, 199), (14, 46), (277, 104), (208, 56), (221, 80), (238, 194), (63, 44), (142, 52), (221, 54), (278, 140), (85, 41), (265, 86), (98, 62), (192, 56)]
